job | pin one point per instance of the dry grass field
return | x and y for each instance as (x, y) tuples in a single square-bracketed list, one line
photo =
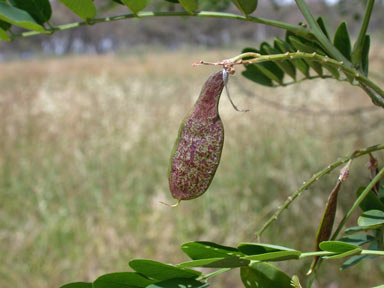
[(84, 147)]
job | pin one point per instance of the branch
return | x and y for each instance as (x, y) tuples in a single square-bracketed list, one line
[(358, 47), (293, 28), (373, 91), (312, 180), (319, 35)]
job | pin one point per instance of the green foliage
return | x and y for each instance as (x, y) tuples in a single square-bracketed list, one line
[(84, 9), (246, 6), (176, 283), (40, 10), (314, 52), (203, 250), (135, 5), (122, 279), (267, 252), (264, 275), (342, 40), (18, 17), (371, 219), (189, 5), (78, 285), (161, 271)]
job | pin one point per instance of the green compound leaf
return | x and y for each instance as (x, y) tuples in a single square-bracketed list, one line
[(342, 41), (77, 285), (323, 28), (371, 219), (40, 10), (205, 250), (298, 63), (84, 8), (365, 54), (370, 202), (264, 275), (246, 6), (189, 5), (337, 246), (286, 66), (161, 271), (179, 283), (267, 252), (122, 280), (223, 262), (135, 5), (18, 17)]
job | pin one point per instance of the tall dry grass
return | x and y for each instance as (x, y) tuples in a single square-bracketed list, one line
[(84, 153)]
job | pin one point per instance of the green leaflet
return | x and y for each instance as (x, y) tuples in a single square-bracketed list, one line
[(264, 275), (19, 18), (365, 55), (371, 219), (337, 246), (323, 28), (40, 10), (342, 41), (135, 5), (246, 6), (179, 283), (189, 5), (77, 285), (122, 280), (205, 250), (161, 271), (84, 8)]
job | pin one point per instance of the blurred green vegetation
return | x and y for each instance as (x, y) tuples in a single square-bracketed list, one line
[(84, 153)]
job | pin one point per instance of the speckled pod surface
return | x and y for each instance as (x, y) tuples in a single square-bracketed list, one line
[(197, 150)]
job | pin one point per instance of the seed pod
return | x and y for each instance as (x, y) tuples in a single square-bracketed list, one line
[(325, 229), (197, 150)]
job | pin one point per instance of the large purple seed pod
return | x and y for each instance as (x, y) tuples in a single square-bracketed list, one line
[(197, 150)]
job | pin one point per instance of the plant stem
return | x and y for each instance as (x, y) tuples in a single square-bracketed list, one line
[(372, 252), (358, 47), (207, 276), (357, 202), (312, 180), (293, 28), (319, 35), (316, 253)]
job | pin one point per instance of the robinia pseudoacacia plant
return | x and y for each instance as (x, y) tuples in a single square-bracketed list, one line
[(307, 52)]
